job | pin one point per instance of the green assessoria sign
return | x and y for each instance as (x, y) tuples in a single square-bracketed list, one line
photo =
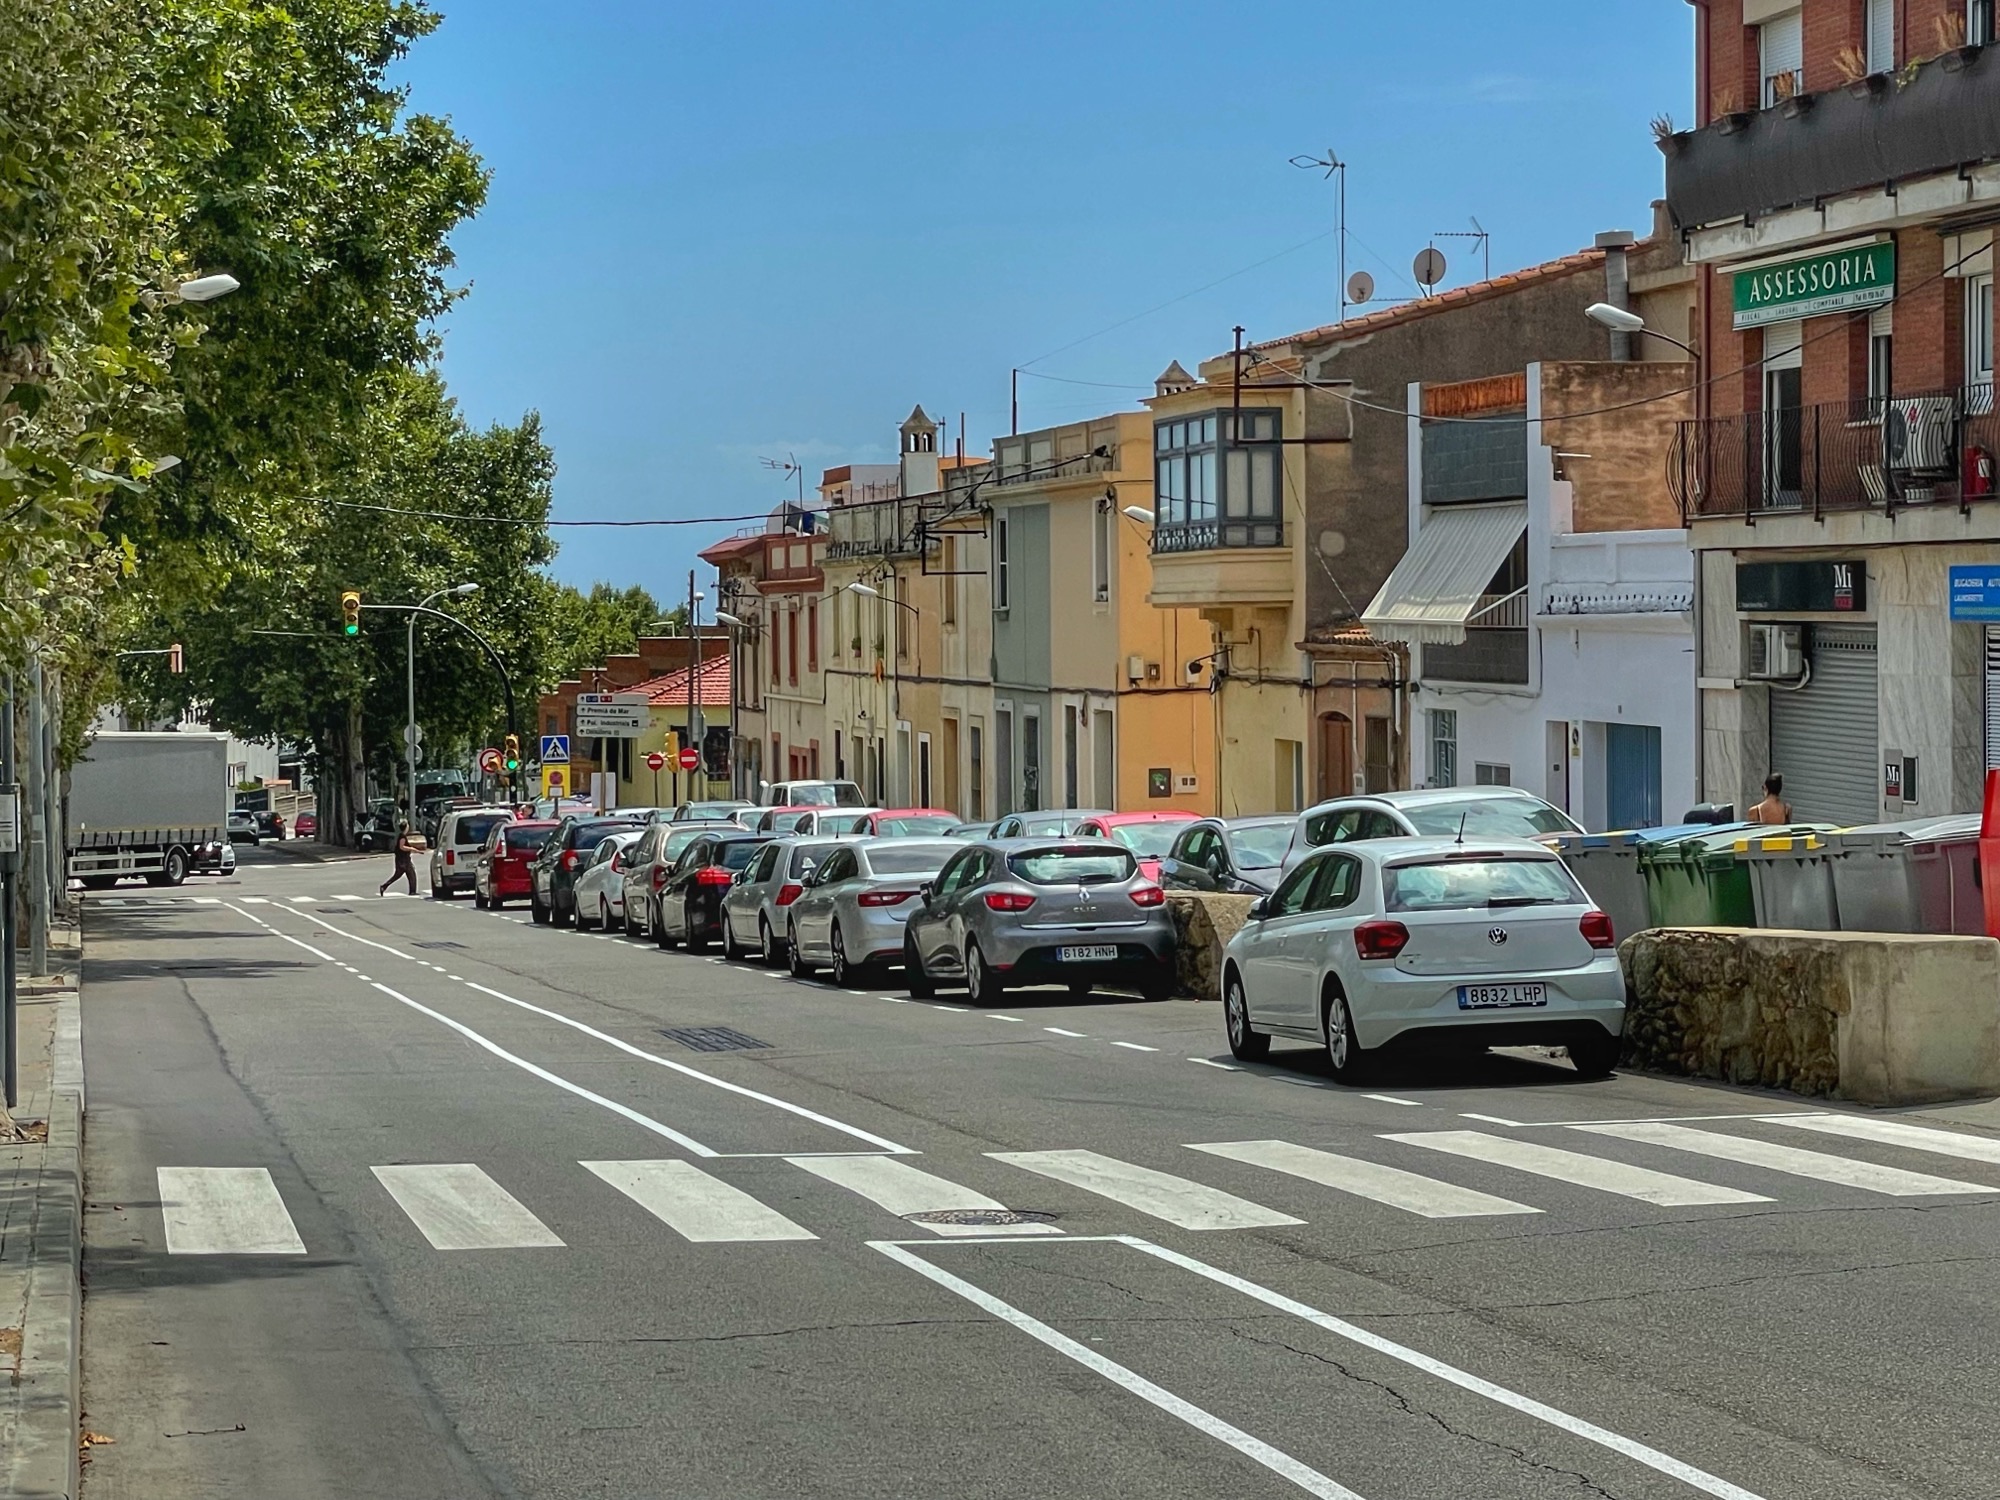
[(1831, 281)]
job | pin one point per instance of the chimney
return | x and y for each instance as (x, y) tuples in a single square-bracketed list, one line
[(1173, 380), (1614, 243), (920, 454)]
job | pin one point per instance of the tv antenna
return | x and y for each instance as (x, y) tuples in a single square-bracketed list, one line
[(1331, 165), (1478, 235), (790, 467)]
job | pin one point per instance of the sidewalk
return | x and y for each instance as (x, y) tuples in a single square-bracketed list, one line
[(41, 1242)]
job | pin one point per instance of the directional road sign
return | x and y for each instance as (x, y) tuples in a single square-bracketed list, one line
[(617, 715), (555, 749)]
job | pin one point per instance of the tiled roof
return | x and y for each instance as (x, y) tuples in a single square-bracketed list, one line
[(711, 688), (732, 547), (1458, 296)]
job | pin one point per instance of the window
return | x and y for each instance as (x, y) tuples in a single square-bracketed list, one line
[(1216, 485), (777, 656), (1289, 899), (891, 592), (1002, 597), (1979, 335), (948, 585), (1100, 552), (1003, 770), (812, 637), (1069, 755), (1338, 885), (1978, 22), (1289, 774), (1486, 774), (792, 647), (1881, 327), (923, 770), (1031, 762), (1780, 45), (1444, 747), (976, 750), (1880, 25)]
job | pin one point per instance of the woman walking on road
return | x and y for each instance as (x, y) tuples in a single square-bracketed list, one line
[(406, 868)]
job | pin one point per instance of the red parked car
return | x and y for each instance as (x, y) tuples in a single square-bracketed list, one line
[(1149, 835), (502, 870), (908, 823)]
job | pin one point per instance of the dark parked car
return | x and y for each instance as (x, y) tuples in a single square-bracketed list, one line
[(552, 877), (1244, 856), (690, 901)]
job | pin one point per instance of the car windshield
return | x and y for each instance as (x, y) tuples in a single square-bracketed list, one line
[(737, 853), (676, 841), (1043, 827), (720, 812), (478, 830), (1262, 847), (1072, 866), (904, 827), (1147, 840), (590, 835), (527, 840), (917, 859), (840, 822), (816, 796), (1456, 884), (1489, 817)]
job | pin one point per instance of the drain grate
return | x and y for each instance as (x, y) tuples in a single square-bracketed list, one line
[(440, 943), (711, 1038), (986, 1217)]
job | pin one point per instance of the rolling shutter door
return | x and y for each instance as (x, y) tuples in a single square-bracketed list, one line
[(1992, 697), (1824, 736)]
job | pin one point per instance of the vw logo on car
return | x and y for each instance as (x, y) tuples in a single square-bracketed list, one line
[(1496, 935)]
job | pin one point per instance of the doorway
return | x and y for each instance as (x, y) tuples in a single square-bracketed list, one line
[(1784, 436), (1336, 757)]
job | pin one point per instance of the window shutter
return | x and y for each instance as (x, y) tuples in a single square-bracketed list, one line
[(1783, 48), (1881, 23)]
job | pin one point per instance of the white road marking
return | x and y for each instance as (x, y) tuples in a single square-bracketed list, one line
[(1256, 1449), (255, 900), (346, 898), (305, 900), (458, 1207), (1060, 1032), (996, 1016), (1135, 1046), (1366, 1179), (1207, 1062), (1639, 1452), (1190, 1205), (1661, 1188), (1392, 1099), (1490, 1119), (904, 1190), (208, 901), (1896, 1133), (1817, 1165), (225, 1211), (696, 1206)]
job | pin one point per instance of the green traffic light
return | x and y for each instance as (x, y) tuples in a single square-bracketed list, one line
[(352, 629)]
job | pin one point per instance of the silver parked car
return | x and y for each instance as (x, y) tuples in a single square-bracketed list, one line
[(1437, 812), (852, 913), (1075, 912), (599, 892), (461, 836), (826, 822), (645, 870), (1048, 824), (755, 907)]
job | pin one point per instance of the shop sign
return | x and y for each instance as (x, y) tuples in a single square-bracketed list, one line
[(1975, 592), (1802, 587), (1837, 280)]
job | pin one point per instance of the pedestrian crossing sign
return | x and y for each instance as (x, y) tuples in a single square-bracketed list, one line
[(555, 747)]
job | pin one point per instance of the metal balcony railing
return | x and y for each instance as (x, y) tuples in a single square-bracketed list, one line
[(1928, 449), (1214, 532), (1500, 612)]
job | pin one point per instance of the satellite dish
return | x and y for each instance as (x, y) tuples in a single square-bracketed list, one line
[(1428, 267), (1360, 287)]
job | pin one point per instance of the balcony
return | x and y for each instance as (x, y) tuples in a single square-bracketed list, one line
[(1206, 533), (1495, 648), (1930, 449), (1231, 562), (881, 528), (1846, 139)]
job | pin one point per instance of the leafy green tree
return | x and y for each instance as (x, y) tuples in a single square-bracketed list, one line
[(587, 628)]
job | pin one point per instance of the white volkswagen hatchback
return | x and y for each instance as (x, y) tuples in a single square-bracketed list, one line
[(1429, 942)]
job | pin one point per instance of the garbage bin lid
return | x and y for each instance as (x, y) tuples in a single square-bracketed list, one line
[(1886, 836), (1772, 846)]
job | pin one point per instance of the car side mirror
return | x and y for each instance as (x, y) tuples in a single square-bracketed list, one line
[(1260, 908)]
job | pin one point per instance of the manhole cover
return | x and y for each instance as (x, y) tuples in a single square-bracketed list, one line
[(711, 1038), (440, 943), (989, 1217)]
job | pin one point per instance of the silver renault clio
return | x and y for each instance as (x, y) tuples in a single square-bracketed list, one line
[(1013, 912)]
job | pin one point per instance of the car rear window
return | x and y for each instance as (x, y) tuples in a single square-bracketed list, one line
[(527, 840), (737, 854), (676, 841), (840, 822), (1488, 817), (920, 859), (904, 827), (814, 796), (1459, 884), (1072, 866), (593, 834), (1148, 840), (478, 830)]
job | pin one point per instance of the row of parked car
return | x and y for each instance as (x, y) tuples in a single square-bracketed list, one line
[(1442, 917)]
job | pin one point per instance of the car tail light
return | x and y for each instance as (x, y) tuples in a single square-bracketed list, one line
[(451, 856), (789, 892), (714, 875), (659, 876), (1380, 939), (1009, 900), (1147, 895), (569, 859), (1596, 929), (883, 898)]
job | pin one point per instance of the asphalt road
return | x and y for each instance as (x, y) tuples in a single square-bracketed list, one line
[(395, 1198)]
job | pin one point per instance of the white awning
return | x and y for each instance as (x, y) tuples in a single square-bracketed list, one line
[(1442, 579)]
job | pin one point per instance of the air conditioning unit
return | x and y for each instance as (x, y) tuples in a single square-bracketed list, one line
[(1917, 434), (1776, 653)]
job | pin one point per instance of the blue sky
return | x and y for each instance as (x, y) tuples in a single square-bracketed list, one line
[(720, 234)]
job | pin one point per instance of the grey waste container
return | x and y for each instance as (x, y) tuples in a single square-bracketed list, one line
[(1791, 880), (1911, 876), (1607, 867)]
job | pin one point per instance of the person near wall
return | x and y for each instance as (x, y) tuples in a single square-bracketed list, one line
[(1774, 808)]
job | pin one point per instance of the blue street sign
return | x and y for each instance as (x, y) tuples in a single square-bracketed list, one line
[(555, 749), (1975, 591)]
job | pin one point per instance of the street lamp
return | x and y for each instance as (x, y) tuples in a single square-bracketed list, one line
[(724, 617), (207, 288), (1624, 320), (1138, 513), (410, 728)]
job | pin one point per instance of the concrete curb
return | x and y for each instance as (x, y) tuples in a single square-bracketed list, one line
[(40, 1410)]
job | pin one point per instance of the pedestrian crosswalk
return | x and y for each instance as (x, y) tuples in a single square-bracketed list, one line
[(1198, 1186)]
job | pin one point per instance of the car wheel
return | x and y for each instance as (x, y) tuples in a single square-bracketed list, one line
[(659, 925), (846, 974), (631, 922), (696, 940), (767, 943), (1243, 1042), (799, 967), (557, 915), (1344, 1052), (538, 911), (731, 950), (478, 900), (915, 980), (981, 983), (1596, 1057), (582, 921)]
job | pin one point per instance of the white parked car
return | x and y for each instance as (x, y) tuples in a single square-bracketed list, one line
[(461, 838), (1481, 812), (1432, 944), (598, 896)]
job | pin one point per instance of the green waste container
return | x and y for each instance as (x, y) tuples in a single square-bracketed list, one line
[(1698, 880), (1607, 866), (1791, 880)]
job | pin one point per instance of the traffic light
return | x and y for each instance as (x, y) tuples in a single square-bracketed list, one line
[(511, 757), (350, 611)]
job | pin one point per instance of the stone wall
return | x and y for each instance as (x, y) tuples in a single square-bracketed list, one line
[(1204, 922), (1881, 1018)]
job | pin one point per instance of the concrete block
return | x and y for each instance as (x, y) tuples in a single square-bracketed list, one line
[(1879, 1018), (1204, 922)]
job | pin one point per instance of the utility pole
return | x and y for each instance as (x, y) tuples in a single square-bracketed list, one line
[(694, 671), (58, 844), (36, 819), (10, 860)]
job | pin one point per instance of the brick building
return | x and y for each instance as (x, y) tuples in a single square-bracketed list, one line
[(1838, 197)]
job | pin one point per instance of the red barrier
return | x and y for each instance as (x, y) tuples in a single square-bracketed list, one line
[(1989, 853)]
